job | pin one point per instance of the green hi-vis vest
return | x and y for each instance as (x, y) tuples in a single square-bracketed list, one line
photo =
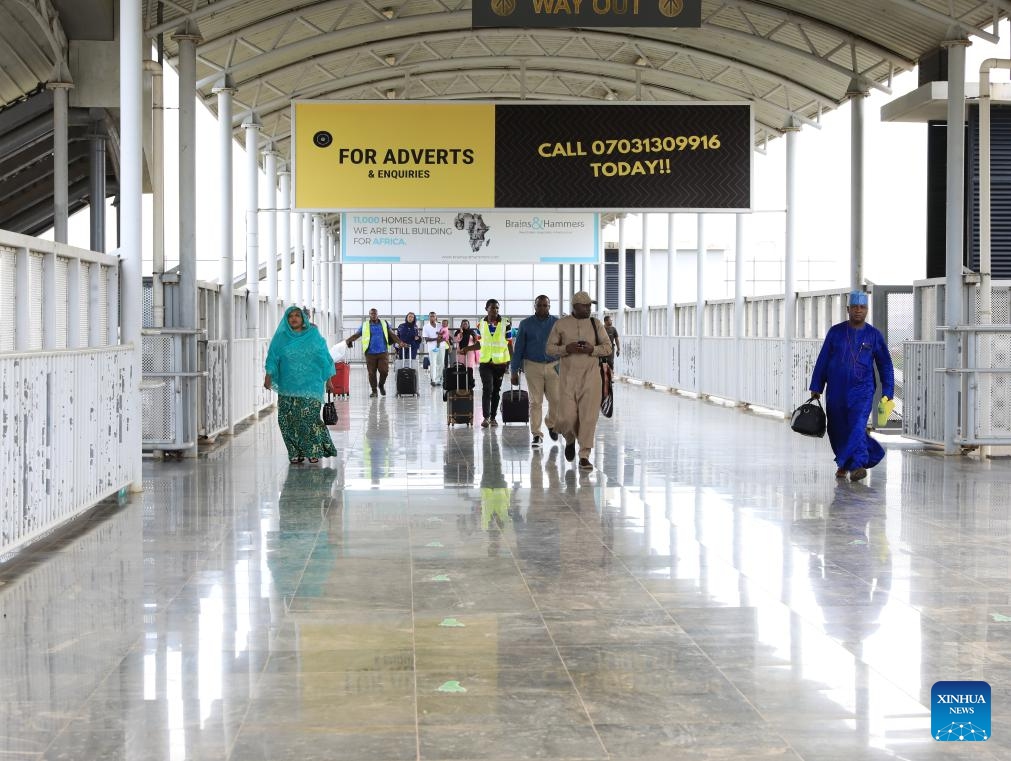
[(494, 347)]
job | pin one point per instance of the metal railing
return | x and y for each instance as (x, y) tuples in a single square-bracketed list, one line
[(67, 417)]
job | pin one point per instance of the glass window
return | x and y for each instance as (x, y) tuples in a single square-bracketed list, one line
[(377, 272), (406, 289), (434, 271), (377, 290), (490, 271), (434, 289)]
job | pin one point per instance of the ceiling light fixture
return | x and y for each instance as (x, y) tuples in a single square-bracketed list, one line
[(609, 95), (641, 61), (391, 60), (391, 94), (387, 13)]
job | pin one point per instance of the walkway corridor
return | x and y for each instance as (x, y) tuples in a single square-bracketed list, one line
[(710, 591)]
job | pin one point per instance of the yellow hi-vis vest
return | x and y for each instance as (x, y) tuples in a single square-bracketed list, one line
[(367, 334), (493, 345)]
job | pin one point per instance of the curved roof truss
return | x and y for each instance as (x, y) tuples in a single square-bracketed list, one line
[(792, 59)]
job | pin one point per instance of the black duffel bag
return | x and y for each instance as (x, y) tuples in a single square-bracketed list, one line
[(809, 419)]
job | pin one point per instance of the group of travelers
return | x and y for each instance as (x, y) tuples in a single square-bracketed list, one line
[(559, 356), (561, 359)]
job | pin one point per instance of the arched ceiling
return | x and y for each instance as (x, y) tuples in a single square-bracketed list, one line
[(793, 59)]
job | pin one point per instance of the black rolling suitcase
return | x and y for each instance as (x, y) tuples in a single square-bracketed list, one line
[(460, 407), (455, 378), (515, 406), (407, 375)]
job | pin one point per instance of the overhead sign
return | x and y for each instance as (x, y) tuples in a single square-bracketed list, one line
[(593, 157), (470, 237), (572, 13)]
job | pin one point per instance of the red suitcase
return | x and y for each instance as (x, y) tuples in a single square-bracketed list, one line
[(340, 382)]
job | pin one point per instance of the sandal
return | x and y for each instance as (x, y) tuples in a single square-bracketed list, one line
[(296, 460), (313, 460)]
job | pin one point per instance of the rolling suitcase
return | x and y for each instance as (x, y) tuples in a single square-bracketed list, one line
[(340, 382), (459, 407), (407, 376), (515, 406), (455, 378)]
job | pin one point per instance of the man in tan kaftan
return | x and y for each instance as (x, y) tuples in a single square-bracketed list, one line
[(580, 342)]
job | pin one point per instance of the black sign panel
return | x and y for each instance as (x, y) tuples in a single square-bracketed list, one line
[(623, 157), (542, 14)]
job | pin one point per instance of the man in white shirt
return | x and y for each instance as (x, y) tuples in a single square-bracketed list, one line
[(430, 335)]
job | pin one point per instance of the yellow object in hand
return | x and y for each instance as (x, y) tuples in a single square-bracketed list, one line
[(885, 407)]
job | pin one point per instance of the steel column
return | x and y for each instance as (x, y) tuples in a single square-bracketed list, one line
[(61, 192), (252, 126), (226, 242), (955, 231), (96, 187)]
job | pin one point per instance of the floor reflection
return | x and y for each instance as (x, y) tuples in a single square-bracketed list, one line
[(709, 591)]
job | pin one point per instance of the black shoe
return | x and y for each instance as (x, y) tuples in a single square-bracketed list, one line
[(585, 464), (858, 474), (382, 390), (553, 434), (372, 394), (536, 442), (570, 451)]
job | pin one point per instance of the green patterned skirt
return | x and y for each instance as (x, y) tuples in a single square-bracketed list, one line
[(301, 428)]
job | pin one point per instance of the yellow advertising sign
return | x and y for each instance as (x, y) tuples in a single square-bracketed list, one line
[(393, 155)]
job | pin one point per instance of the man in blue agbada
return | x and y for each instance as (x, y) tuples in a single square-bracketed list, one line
[(298, 366), (847, 360)]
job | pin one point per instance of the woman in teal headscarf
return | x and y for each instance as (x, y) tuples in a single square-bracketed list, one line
[(298, 367)]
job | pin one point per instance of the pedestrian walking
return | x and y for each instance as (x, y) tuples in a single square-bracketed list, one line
[(580, 342), (377, 338), (494, 361), (851, 352), (531, 358)]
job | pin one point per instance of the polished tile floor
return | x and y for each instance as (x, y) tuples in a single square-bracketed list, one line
[(710, 591)]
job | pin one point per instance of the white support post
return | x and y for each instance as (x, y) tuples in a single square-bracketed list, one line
[(856, 96), (22, 301), (49, 326), (338, 289), (226, 243), (131, 56), (601, 277), (671, 272), (307, 261), (297, 276), (285, 244), (954, 240), (739, 299), (61, 170), (252, 126), (317, 261), (187, 317), (644, 274), (622, 305), (270, 244), (789, 286), (74, 338), (700, 297), (157, 193), (95, 306)]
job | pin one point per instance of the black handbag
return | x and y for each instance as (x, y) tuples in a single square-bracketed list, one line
[(809, 419), (329, 412)]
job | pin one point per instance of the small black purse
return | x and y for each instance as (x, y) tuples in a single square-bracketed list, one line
[(329, 411), (809, 419)]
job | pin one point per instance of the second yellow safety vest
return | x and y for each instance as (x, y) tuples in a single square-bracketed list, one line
[(494, 348)]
